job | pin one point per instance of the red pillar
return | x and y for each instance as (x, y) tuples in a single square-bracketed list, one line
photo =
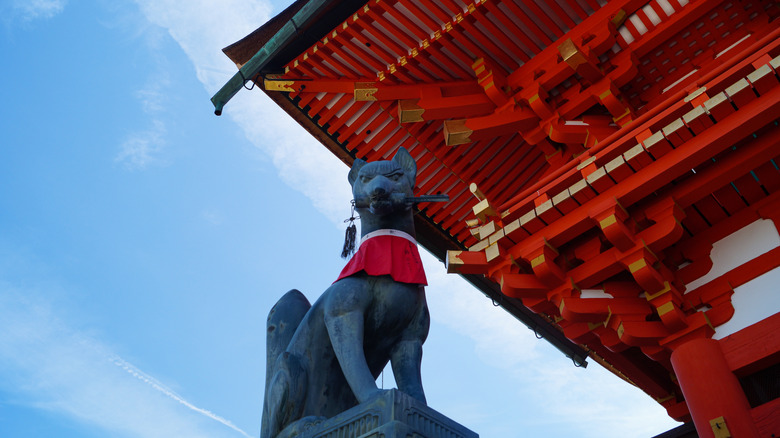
[(711, 390)]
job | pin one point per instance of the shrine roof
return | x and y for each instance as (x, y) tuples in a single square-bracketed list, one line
[(522, 112), (370, 129)]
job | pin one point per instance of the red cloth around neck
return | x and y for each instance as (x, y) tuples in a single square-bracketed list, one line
[(387, 254)]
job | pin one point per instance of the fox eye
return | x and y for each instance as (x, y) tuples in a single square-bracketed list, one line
[(365, 178), (396, 176)]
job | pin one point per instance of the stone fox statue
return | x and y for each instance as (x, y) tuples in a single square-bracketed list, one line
[(323, 359)]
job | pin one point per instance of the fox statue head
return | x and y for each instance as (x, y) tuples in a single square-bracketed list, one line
[(381, 189), (382, 186)]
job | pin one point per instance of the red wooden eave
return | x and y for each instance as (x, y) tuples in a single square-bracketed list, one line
[(585, 145)]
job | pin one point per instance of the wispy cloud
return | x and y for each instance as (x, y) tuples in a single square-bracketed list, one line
[(202, 29), (143, 149), (301, 161), (466, 311), (28, 10), (154, 97), (69, 371), (214, 217)]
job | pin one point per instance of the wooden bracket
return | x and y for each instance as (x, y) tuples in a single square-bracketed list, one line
[(542, 261), (581, 61), (466, 262), (614, 223), (522, 286)]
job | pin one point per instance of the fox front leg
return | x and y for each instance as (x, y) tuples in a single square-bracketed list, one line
[(344, 317), (406, 357)]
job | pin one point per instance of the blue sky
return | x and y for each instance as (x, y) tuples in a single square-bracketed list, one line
[(143, 241)]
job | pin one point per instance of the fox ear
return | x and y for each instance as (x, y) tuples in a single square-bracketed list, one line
[(405, 161), (353, 173)]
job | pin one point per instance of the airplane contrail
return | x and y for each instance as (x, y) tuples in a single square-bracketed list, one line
[(151, 381)]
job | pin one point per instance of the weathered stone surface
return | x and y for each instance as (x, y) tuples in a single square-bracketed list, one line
[(392, 414)]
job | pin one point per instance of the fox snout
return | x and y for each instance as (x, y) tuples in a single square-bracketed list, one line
[(379, 188), (378, 194)]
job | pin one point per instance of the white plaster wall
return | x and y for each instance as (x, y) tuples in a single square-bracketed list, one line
[(739, 247), (757, 299), (753, 301)]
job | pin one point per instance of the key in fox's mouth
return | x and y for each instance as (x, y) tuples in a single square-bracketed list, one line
[(381, 204), (365, 202), (374, 201)]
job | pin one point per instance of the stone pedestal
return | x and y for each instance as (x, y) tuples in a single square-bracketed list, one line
[(392, 415)]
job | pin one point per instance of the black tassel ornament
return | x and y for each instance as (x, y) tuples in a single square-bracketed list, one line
[(350, 236)]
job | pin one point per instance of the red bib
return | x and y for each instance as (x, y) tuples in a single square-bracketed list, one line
[(390, 252)]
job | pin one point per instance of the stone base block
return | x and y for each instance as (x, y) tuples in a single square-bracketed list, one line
[(391, 415)]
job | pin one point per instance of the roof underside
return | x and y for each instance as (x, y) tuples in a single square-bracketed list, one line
[(516, 97), (393, 43)]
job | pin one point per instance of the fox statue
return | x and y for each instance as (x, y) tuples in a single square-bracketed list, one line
[(323, 359)]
